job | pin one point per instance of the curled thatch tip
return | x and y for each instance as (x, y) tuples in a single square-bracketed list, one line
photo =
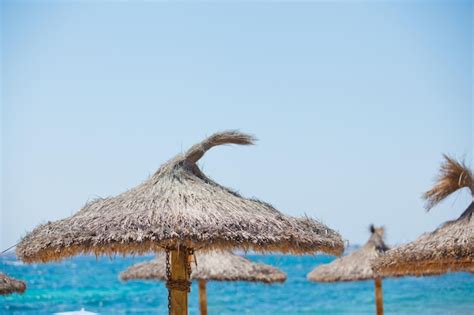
[(376, 232), (220, 138), (372, 229), (453, 175), (380, 231)]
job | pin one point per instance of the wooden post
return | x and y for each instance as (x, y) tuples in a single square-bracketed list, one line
[(202, 297), (179, 299), (378, 296)]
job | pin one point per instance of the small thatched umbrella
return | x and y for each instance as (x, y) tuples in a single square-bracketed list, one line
[(178, 209), (215, 266), (356, 266), (448, 248), (9, 285)]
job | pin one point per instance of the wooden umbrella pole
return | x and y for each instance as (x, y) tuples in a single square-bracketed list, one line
[(202, 297), (378, 296), (179, 281)]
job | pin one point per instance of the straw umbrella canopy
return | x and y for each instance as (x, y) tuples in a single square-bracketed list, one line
[(356, 266), (178, 209), (215, 266), (448, 248), (9, 285)]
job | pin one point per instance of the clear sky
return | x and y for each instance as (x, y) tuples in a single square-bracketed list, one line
[(353, 104)]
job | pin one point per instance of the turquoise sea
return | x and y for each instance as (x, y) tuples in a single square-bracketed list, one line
[(93, 283)]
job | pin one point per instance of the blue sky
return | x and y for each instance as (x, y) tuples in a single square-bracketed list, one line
[(353, 104)]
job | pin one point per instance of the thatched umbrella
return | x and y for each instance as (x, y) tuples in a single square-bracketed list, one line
[(9, 285), (216, 266), (448, 248), (356, 266), (178, 209)]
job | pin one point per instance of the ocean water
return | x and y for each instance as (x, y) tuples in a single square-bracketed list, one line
[(93, 283)]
